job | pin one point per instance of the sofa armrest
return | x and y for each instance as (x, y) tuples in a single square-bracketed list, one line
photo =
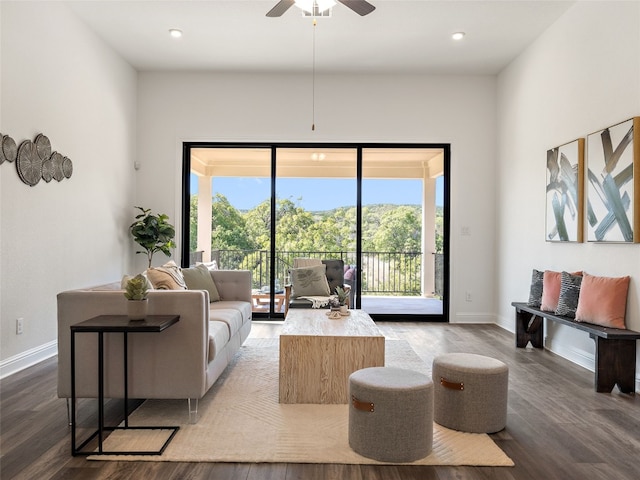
[(233, 284), (171, 364)]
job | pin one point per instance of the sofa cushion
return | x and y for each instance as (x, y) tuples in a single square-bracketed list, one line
[(335, 274), (218, 338), (310, 281), (230, 316), (199, 278), (167, 277)]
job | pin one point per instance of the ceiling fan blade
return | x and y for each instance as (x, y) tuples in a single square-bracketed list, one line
[(361, 7), (281, 7)]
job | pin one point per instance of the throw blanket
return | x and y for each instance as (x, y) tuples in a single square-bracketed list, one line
[(317, 302)]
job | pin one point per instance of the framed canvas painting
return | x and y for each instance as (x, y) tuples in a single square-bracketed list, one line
[(565, 181), (613, 187)]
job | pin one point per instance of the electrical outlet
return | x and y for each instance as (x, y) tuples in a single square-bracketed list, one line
[(19, 326), (467, 296)]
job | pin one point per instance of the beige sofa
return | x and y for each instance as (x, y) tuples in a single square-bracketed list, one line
[(182, 362)]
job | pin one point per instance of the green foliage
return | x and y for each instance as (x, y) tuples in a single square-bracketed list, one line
[(342, 295), (229, 227), (153, 233), (136, 288), (386, 228)]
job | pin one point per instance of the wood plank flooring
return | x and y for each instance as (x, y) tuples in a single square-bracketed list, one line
[(558, 427)]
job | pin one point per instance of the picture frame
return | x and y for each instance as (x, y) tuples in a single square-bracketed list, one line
[(613, 184), (565, 192)]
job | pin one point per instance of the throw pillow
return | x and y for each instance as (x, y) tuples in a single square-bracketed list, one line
[(569, 294), (199, 278), (213, 265), (535, 292), (126, 278), (167, 277), (310, 281), (603, 301), (551, 290)]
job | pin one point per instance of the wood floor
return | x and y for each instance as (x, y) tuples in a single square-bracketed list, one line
[(558, 427)]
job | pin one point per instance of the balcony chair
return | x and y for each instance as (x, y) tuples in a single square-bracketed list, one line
[(307, 289)]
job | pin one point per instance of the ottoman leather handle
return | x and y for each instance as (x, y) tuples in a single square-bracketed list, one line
[(451, 385), (360, 405)]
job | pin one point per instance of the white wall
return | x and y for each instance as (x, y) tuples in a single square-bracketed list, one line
[(582, 75), (177, 107), (59, 79)]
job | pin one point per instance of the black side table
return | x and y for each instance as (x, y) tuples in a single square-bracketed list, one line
[(122, 324)]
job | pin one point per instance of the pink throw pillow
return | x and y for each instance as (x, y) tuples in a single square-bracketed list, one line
[(551, 289), (603, 301)]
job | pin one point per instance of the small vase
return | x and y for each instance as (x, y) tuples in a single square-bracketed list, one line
[(137, 309), (344, 309)]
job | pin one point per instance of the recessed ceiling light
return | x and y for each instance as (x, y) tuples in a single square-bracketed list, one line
[(175, 33), (458, 35)]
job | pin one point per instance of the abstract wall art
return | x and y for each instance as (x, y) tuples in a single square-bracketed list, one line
[(613, 187), (565, 192)]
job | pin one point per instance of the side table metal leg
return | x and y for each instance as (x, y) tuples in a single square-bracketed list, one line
[(100, 389)]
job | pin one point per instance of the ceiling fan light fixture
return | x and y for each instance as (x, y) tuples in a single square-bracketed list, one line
[(318, 5)]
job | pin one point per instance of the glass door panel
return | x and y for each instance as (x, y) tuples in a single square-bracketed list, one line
[(316, 192), (400, 214), (230, 224)]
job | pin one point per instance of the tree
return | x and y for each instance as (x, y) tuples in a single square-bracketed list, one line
[(228, 228), (399, 231)]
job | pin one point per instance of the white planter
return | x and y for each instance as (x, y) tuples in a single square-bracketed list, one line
[(137, 309)]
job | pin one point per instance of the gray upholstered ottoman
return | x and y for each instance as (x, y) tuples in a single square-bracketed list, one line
[(391, 414), (470, 392)]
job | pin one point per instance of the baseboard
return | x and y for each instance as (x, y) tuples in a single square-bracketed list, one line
[(474, 318), (580, 357), (26, 359)]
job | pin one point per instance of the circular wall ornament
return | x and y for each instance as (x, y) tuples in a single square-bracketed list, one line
[(29, 163), (56, 160), (67, 167), (47, 170), (9, 148), (43, 145)]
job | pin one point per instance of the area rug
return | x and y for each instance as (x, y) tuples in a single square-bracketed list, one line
[(240, 420)]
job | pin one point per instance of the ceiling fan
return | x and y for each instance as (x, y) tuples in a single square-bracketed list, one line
[(361, 7)]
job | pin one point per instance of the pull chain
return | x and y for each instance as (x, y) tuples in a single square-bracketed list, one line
[(313, 80)]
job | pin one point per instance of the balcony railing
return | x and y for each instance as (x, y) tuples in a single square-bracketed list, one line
[(383, 273)]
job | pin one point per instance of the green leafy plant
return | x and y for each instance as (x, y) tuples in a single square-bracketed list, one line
[(342, 295), (136, 288), (153, 233)]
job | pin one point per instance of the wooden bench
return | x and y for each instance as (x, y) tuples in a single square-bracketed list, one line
[(615, 348)]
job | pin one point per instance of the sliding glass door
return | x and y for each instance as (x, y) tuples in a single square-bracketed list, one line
[(381, 209)]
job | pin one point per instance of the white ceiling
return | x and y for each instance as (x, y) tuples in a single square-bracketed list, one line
[(399, 36)]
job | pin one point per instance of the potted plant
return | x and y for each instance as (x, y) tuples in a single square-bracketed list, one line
[(153, 233), (136, 291), (343, 295)]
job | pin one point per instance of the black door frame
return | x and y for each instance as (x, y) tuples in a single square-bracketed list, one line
[(359, 147)]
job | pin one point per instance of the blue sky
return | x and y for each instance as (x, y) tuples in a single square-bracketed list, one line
[(319, 193)]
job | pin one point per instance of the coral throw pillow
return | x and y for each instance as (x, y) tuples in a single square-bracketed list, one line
[(551, 290), (603, 301)]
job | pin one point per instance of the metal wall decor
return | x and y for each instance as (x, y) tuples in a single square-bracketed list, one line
[(34, 160)]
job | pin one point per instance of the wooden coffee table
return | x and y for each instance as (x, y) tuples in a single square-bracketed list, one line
[(317, 354)]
